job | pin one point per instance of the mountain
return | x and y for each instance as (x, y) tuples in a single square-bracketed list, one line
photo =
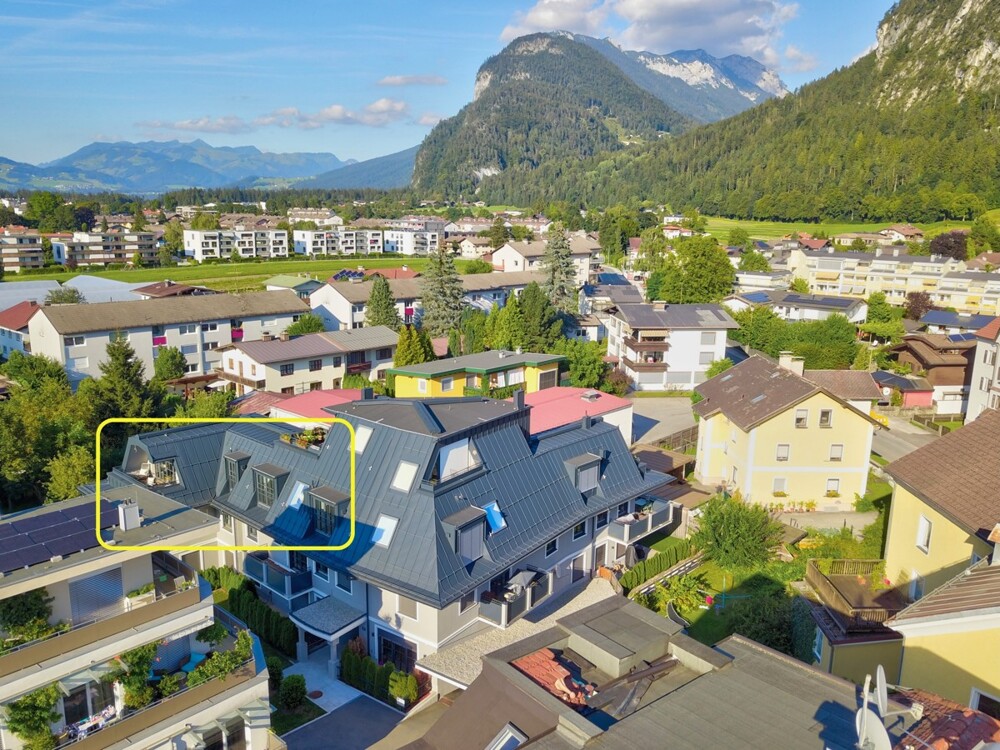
[(544, 97), (383, 173), (15, 175), (908, 131), (696, 84)]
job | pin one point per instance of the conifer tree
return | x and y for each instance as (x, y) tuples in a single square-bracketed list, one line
[(442, 294), (413, 348), (541, 322), (560, 275), (381, 309)]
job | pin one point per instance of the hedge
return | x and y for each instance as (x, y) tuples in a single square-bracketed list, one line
[(655, 565), (383, 682), (269, 624), (223, 578)]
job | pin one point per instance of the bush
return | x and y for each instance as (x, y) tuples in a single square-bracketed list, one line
[(735, 534), (403, 685), (275, 671), (213, 634), (223, 578), (292, 692), (368, 676), (383, 676), (766, 619), (270, 625), (169, 684), (350, 662), (655, 565)]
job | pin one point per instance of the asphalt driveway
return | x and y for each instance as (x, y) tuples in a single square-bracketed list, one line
[(354, 726)]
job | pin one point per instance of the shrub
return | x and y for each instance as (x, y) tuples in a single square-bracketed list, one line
[(270, 625), (403, 685), (275, 671), (169, 684), (368, 675), (382, 677), (655, 565), (349, 663), (292, 693), (735, 534), (223, 578), (213, 635), (766, 619), (684, 591), (29, 717)]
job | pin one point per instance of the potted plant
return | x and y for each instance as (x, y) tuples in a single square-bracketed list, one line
[(810, 506), (832, 493), (286, 437)]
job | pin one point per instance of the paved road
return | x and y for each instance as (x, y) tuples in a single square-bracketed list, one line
[(354, 726), (655, 418), (901, 438)]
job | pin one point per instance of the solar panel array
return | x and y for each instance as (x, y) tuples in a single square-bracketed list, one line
[(957, 337), (760, 297), (35, 540), (825, 301)]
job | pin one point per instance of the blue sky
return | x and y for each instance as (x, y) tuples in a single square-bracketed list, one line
[(355, 79)]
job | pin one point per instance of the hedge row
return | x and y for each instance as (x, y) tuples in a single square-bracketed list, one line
[(655, 565), (381, 682), (223, 577), (269, 624)]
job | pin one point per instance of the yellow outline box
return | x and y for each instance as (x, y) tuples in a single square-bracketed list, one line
[(228, 420)]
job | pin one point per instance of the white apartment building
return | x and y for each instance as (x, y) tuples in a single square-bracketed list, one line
[(528, 256), (984, 390), (323, 217), (20, 249), (667, 347), (77, 336), (339, 241), (104, 248), (104, 603), (209, 244), (411, 241)]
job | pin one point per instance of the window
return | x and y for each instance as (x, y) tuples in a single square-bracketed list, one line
[(494, 517), (421, 385), (447, 384), (708, 338), (227, 522), (187, 329), (990, 357), (264, 489), (251, 533), (832, 486), (324, 514), (623, 509), (780, 484), (315, 365), (985, 384), (321, 571), (189, 348), (73, 340), (988, 704), (210, 326), (601, 520), (470, 542), (818, 646), (837, 452), (580, 530), (801, 418), (362, 434), (290, 390), (510, 737), (297, 561), (211, 345), (406, 607), (916, 586), (782, 452), (383, 354), (924, 534), (402, 480), (287, 369), (551, 547), (826, 417), (338, 361), (706, 358), (587, 476), (467, 601), (344, 581), (385, 527)]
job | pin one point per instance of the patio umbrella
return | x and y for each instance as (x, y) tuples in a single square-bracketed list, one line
[(523, 579)]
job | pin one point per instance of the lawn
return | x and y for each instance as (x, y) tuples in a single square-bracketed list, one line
[(663, 543), (284, 721), (709, 625), (772, 230), (879, 460)]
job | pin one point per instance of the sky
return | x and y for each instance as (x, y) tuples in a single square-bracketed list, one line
[(356, 79)]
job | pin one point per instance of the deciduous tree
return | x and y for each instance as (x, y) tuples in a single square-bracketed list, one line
[(65, 295), (736, 535), (307, 323)]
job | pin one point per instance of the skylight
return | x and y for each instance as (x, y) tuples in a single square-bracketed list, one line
[(757, 399), (403, 479), (494, 517), (362, 433), (384, 529), (298, 492)]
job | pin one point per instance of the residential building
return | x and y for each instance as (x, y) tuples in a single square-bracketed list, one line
[(106, 602), (615, 675), (461, 521), (949, 323), (870, 239), (14, 327), (312, 405), (20, 248), (794, 306), (342, 304), (774, 436), (475, 247), (984, 388), (529, 256), (323, 217), (667, 347), (599, 298), (468, 225), (338, 241), (946, 362), (217, 244), (554, 408), (969, 292), (168, 288), (762, 281), (478, 374), (411, 241), (77, 336), (903, 233), (303, 284), (306, 363), (914, 392), (104, 248), (673, 230)]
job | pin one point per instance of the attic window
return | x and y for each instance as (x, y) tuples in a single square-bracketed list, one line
[(725, 378), (264, 489), (587, 476), (456, 458), (385, 527), (469, 542), (757, 399), (298, 492), (362, 434), (494, 517), (402, 480)]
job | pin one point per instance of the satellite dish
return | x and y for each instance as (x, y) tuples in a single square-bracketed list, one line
[(871, 733), (886, 390), (881, 695)]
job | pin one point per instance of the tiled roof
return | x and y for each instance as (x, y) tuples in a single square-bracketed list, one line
[(976, 589), (990, 332), (850, 385), (259, 402), (393, 273), (947, 725), (15, 318), (319, 344), (958, 473), (488, 361), (557, 407)]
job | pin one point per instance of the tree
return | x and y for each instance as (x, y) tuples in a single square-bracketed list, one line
[(67, 471), (718, 367), (799, 286), (442, 293), (412, 348), (685, 591), (560, 274), (30, 717), (473, 331), (880, 311), (307, 323), (497, 233), (505, 325), (207, 405), (173, 236), (765, 618), (381, 309), (584, 361), (694, 221), (477, 266), (652, 250), (541, 320), (751, 260), (984, 237), (698, 271), (615, 381), (736, 535), (617, 225), (138, 219), (739, 237), (952, 244), (205, 221), (828, 344), (918, 304), (65, 295), (31, 370)]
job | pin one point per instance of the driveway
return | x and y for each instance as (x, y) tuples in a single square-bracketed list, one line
[(354, 726), (901, 438), (655, 418)]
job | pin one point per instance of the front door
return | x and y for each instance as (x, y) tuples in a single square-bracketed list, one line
[(599, 554), (578, 568)]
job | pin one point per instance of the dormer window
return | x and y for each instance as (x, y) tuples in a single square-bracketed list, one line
[(236, 463), (470, 542), (267, 481), (457, 458), (327, 505)]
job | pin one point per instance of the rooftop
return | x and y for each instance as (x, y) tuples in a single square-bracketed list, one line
[(536, 248), (317, 403), (258, 402), (850, 385), (947, 725), (170, 289), (15, 318), (290, 281), (319, 344), (557, 407), (953, 319), (974, 590), (483, 362), (357, 292), (426, 416), (709, 317)]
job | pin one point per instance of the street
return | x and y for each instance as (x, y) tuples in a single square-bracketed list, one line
[(901, 438)]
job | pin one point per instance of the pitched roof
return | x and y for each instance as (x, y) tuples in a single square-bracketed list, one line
[(933, 349), (990, 332), (850, 385), (557, 407), (15, 318), (958, 473), (289, 281), (483, 362), (708, 317), (956, 319), (393, 273), (947, 725), (536, 248), (901, 382), (258, 402), (170, 289), (975, 589), (357, 292), (318, 344), (316, 403), (113, 316)]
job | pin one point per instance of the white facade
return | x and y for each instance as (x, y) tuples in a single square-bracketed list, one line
[(339, 241), (208, 244), (411, 241), (338, 311), (11, 341), (984, 392), (514, 257), (762, 281), (20, 250), (101, 249)]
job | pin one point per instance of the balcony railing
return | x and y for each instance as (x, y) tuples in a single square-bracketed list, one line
[(505, 607), (849, 596), (252, 383), (644, 366), (639, 345), (84, 634), (357, 367), (277, 579), (636, 525)]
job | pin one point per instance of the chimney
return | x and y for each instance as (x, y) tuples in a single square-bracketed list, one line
[(265, 336), (128, 515), (994, 538), (367, 394), (794, 365), (283, 336), (519, 399), (585, 422)]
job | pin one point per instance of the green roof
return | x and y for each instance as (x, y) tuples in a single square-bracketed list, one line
[(483, 363)]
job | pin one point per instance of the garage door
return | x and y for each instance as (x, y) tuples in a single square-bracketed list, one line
[(547, 379), (100, 595)]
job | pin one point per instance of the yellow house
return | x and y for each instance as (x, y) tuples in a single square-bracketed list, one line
[(780, 438), (479, 373)]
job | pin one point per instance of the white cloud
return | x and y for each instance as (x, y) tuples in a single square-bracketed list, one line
[(380, 112), (798, 61), (867, 50), (582, 16), (225, 124), (429, 119), (420, 80)]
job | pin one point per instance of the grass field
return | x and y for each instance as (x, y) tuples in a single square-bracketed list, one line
[(772, 230)]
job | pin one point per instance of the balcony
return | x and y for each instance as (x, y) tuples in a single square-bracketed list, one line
[(644, 366), (279, 585), (251, 383), (653, 517), (847, 591), (640, 345), (170, 596), (236, 335), (525, 590), (354, 368)]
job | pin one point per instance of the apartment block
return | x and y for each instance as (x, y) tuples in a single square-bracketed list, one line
[(77, 336), (411, 241), (529, 256), (323, 217), (242, 242), (20, 249), (984, 387), (337, 241), (104, 248), (106, 603)]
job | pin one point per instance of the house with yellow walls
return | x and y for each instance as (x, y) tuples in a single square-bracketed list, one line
[(478, 374), (777, 437)]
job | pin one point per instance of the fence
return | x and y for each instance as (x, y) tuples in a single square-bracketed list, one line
[(681, 441), (935, 424)]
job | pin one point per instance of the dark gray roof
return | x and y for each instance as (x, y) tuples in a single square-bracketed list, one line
[(489, 361), (319, 344), (975, 590), (427, 416), (708, 317), (618, 293), (328, 615), (794, 299), (956, 319)]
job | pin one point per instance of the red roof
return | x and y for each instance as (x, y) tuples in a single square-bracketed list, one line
[(634, 242), (557, 407), (311, 404), (813, 244), (15, 318), (947, 725), (393, 273), (259, 402), (440, 346), (990, 331)]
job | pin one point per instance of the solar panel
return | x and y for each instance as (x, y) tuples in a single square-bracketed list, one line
[(10, 561), (956, 337), (57, 531), (38, 522), (6, 530), (82, 540), (20, 541), (34, 554)]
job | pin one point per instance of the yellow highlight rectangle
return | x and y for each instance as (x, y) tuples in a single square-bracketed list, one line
[(233, 420)]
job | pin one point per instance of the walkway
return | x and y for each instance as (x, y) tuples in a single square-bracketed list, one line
[(356, 725), (335, 692)]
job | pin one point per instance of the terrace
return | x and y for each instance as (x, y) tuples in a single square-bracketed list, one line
[(854, 593), (509, 599), (650, 515)]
